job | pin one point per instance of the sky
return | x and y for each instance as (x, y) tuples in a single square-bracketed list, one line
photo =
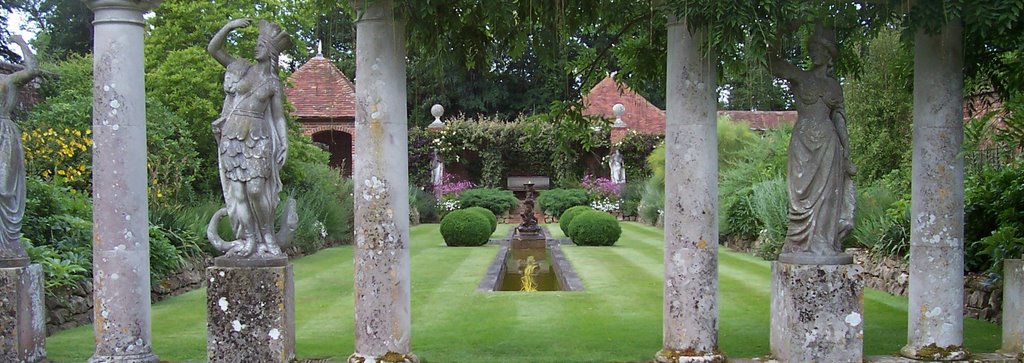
[(15, 22)]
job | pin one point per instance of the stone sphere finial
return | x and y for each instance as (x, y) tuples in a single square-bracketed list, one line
[(437, 111), (619, 110)]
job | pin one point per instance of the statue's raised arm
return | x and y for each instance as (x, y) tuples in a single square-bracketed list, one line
[(31, 69), (216, 46)]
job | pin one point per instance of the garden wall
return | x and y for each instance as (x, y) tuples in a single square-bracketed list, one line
[(70, 307), (981, 300)]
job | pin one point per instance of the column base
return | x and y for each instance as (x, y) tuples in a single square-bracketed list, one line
[(687, 356), (22, 321), (817, 313), (250, 314), (389, 357), (933, 352), (133, 358)]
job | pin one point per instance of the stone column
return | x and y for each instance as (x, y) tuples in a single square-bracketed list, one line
[(1013, 307), (382, 311), (691, 201), (936, 310), (120, 215)]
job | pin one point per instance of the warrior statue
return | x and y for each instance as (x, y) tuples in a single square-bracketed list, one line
[(821, 194), (252, 146), (12, 167)]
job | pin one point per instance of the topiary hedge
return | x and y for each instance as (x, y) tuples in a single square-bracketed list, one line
[(498, 201), (487, 214), (465, 228), (595, 228), (554, 202), (568, 215)]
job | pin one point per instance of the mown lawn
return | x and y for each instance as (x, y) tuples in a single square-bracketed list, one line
[(617, 318)]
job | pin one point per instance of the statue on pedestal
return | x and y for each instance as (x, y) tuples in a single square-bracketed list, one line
[(529, 225), (618, 173), (821, 193), (12, 167), (252, 146)]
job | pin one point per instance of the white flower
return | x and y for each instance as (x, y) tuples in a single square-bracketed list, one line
[(605, 205), (321, 228)]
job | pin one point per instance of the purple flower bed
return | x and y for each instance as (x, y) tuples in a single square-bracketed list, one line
[(601, 188)]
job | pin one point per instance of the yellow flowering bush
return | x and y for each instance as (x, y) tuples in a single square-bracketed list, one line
[(63, 156)]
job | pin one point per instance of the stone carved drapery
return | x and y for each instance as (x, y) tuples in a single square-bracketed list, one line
[(12, 165), (821, 193), (252, 146), (617, 170)]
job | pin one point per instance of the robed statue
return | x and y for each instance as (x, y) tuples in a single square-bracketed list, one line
[(12, 167), (252, 146), (821, 193)]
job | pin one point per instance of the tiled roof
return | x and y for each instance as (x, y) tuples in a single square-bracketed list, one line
[(318, 89), (761, 120), (640, 114)]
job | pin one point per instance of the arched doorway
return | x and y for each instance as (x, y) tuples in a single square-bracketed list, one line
[(339, 144)]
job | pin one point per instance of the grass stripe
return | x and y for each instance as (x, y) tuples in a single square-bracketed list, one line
[(617, 318)]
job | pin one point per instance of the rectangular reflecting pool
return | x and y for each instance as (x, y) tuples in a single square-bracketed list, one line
[(530, 270)]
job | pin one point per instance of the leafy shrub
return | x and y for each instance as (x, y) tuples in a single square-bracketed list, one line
[(424, 203), (737, 216), (465, 228), (652, 199), (55, 216), (325, 208), (496, 200), (554, 202), (993, 213), (164, 258), (733, 138), (768, 202), (491, 218), (595, 228), (567, 217), (632, 192), (1006, 242), (882, 222), (61, 269)]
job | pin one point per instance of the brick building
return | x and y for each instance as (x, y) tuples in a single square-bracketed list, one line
[(324, 101), (644, 117)]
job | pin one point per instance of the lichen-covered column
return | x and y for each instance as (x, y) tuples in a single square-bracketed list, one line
[(936, 310), (382, 311), (120, 218), (691, 201)]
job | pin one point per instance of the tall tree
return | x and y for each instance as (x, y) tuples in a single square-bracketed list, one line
[(879, 101), (65, 27), (6, 8)]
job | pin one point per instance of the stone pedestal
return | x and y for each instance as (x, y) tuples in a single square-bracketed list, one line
[(1013, 306), (250, 314), (22, 321), (534, 241), (817, 313)]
